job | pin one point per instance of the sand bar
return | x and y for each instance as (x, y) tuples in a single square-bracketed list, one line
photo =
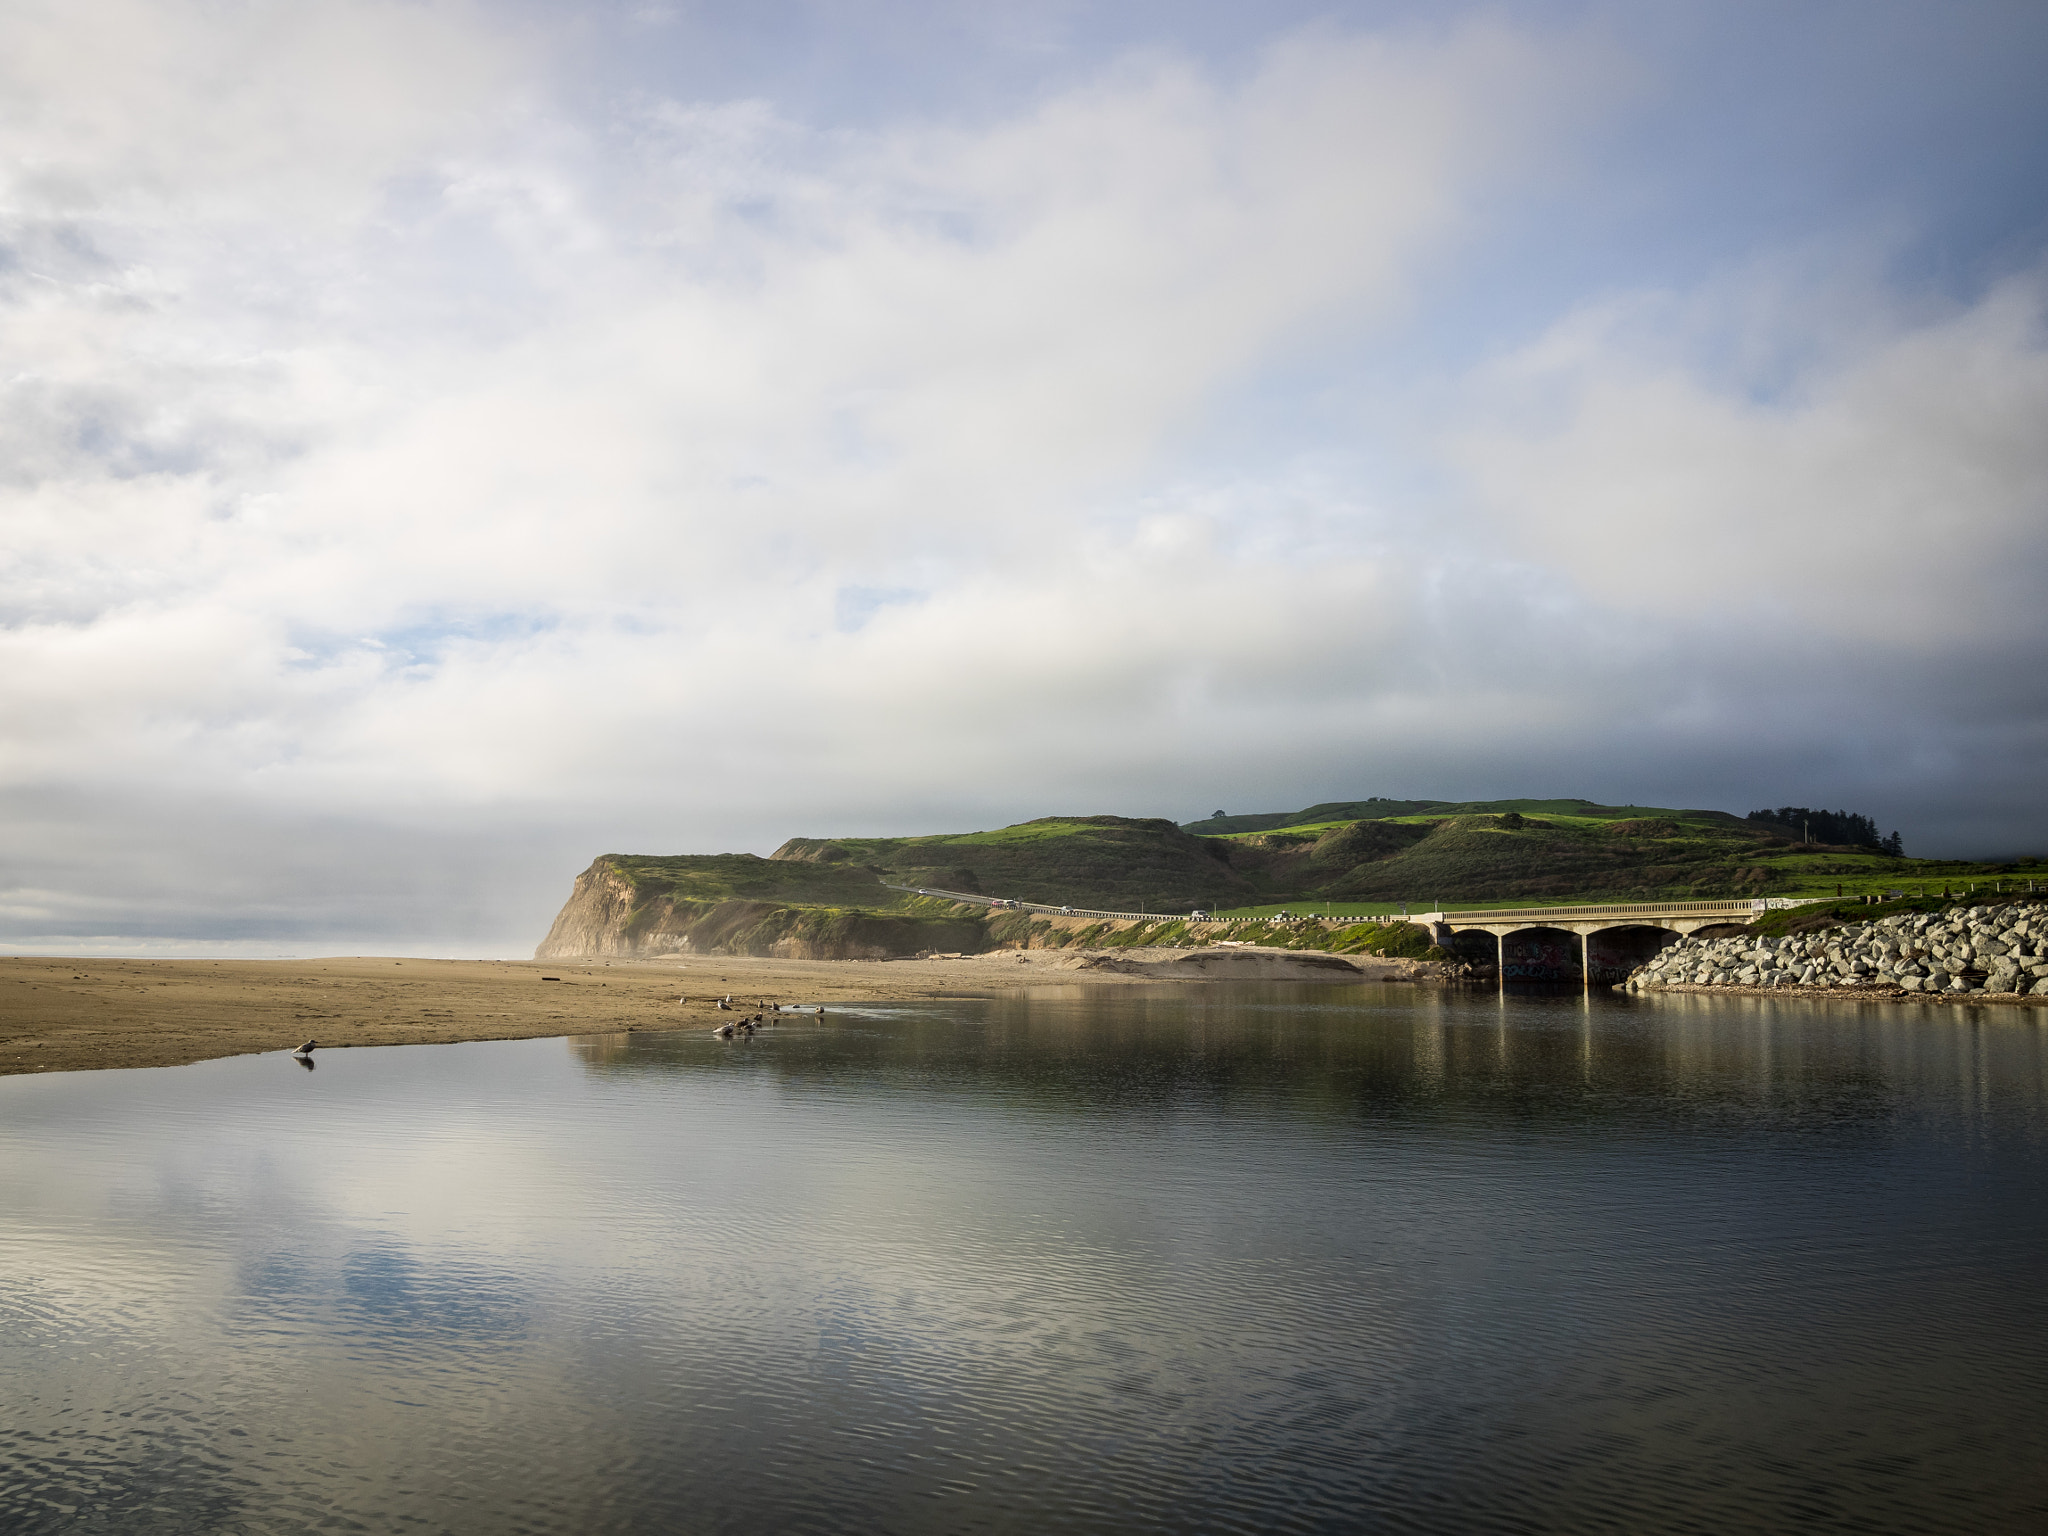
[(63, 1015)]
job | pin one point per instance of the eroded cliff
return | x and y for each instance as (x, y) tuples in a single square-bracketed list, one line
[(628, 908)]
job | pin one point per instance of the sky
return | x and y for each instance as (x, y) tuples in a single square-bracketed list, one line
[(444, 442)]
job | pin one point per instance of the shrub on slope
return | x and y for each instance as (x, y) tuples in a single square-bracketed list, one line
[(1476, 858), (1111, 862)]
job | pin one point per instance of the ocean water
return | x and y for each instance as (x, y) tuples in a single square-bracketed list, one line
[(1176, 1259)]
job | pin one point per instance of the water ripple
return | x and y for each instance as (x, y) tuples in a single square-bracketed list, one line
[(1271, 1260)]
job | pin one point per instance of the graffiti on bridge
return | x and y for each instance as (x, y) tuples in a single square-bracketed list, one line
[(1554, 954), (1539, 958)]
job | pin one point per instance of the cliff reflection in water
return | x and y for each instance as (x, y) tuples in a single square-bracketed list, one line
[(1398, 1053), (1274, 1259)]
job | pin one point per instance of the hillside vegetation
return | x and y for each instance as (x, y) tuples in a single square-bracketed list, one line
[(1526, 850), (1563, 851), (633, 905), (1113, 862), (833, 897)]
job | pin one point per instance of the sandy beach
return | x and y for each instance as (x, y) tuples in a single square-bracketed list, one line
[(63, 1015)]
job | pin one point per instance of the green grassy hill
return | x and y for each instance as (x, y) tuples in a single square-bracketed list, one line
[(1379, 808), (714, 877), (1336, 810), (1562, 851), (1516, 855), (739, 903), (833, 896), (1112, 862), (1416, 852)]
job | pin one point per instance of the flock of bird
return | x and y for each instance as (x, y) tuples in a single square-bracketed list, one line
[(736, 1029), (742, 1028)]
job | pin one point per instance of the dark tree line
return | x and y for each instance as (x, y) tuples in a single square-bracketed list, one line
[(1838, 827)]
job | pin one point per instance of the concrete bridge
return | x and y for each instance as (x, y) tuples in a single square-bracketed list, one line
[(1601, 943)]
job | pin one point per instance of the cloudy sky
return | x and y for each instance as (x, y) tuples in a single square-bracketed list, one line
[(441, 442)]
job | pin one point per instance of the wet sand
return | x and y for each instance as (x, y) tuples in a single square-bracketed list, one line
[(59, 1015)]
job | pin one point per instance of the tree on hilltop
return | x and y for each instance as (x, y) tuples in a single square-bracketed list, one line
[(1845, 828)]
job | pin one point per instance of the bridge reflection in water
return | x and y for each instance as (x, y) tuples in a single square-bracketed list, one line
[(1585, 944)]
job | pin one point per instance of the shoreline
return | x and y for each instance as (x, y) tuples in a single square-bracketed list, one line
[(1849, 994), (59, 1014), (62, 1014)]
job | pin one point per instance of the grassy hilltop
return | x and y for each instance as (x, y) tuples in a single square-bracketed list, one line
[(1113, 862), (834, 896), (1527, 850), (1514, 851)]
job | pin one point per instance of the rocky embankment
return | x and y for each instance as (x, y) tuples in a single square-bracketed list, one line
[(1997, 951)]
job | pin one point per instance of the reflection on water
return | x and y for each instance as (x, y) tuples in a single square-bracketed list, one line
[(1271, 1259)]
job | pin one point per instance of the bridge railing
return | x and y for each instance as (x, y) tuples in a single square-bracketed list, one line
[(1616, 909)]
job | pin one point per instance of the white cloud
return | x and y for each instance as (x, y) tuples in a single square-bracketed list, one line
[(250, 111), (772, 362), (1894, 491), (384, 445)]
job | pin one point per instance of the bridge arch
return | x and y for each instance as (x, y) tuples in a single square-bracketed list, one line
[(1589, 943), (1541, 953), (1613, 952), (1480, 946)]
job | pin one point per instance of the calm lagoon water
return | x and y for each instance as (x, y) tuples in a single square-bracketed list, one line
[(1272, 1259)]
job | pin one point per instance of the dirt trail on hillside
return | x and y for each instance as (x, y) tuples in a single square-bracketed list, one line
[(59, 1015)]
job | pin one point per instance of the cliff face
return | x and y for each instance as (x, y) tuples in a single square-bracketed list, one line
[(611, 914), (629, 907), (594, 919)]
